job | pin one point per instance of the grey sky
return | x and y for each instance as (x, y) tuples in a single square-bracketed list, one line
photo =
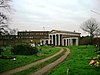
[(53, 14)]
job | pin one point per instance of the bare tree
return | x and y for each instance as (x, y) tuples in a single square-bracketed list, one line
[(90, 26), (4, 16)]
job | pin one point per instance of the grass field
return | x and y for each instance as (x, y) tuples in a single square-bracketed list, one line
[(77, 62), (39, 66), (7, 64)]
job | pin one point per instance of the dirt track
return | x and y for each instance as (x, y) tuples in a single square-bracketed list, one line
[(51, 65), (29, 65)]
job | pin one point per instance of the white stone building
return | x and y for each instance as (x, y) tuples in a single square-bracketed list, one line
[(61, 38)]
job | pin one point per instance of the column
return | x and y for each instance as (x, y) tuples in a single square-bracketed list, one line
[(76, 42), (71, 42), (49, 40), (59, 39), (52, 39), (63, 41)]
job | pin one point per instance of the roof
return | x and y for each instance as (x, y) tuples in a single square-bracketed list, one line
[(61, 31), (52, 31), (33, 31)]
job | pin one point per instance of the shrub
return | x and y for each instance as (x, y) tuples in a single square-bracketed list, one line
[(7, 51), (24, 50)]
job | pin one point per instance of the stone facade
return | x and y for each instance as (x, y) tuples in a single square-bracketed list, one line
[(62, 38)]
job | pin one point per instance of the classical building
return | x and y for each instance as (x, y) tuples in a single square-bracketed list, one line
[(61, 38)]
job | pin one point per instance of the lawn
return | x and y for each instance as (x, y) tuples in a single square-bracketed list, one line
[(7, 64), (77, 62), (39, 66)]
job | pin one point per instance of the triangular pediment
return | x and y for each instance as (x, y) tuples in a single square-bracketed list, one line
[(54, 31)]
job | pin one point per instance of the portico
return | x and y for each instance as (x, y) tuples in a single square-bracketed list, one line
[(63, 38), (55, 39), (73, 41)]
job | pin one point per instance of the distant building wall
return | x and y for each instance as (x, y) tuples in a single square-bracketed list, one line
[(24, 37)]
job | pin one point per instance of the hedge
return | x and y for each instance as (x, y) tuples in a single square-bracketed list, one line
[(24, 50)]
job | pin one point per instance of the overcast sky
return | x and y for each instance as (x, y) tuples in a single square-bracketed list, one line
[(53, 14)]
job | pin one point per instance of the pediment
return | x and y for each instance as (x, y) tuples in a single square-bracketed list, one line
[(54, 31)]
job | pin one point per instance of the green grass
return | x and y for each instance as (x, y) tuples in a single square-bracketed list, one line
[(37, 67), (7, 64), (77, 62)]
